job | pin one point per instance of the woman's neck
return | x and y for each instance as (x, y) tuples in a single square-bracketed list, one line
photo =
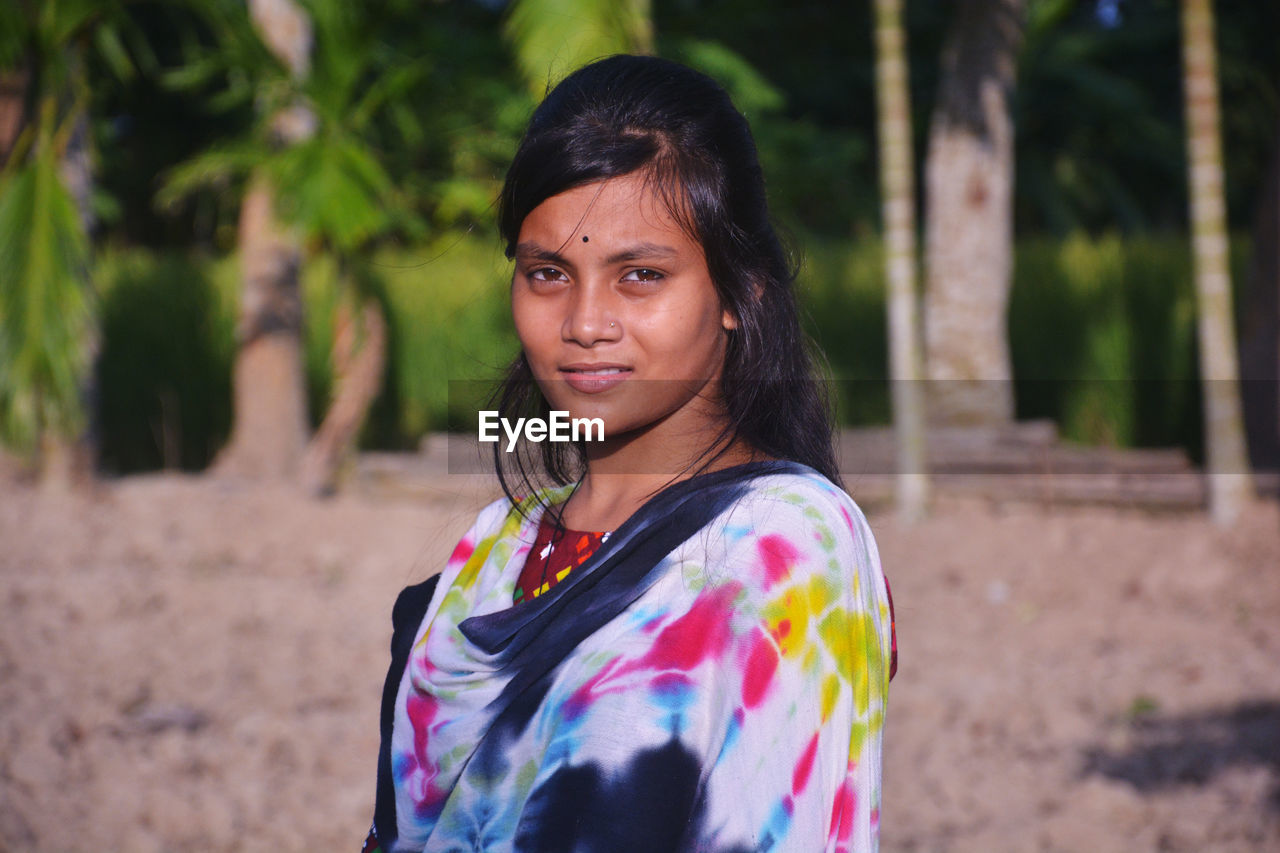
[(620, 479)]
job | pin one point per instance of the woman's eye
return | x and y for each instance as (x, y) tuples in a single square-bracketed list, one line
[(643, 275), (546, 274)]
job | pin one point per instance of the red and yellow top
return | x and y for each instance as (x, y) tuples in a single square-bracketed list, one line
[(556, 552)]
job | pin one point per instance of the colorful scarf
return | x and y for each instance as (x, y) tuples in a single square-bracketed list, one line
[(713, 678)]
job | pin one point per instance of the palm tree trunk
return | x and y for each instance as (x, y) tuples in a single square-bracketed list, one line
[(269, 432), (898, 203), (359, 354), (269, 387), (969, 209), (1230, 486)]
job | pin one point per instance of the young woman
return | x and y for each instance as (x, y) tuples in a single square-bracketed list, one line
[(685, 641)]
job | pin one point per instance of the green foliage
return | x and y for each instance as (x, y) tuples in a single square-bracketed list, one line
[(12, 28), (811, 169), (1079, 357), (551, 38), (46, 313), (331, 185), (755, 96), (816, 137), (44, 34), (1099, 113), (338, 191), (46, 310), (1102, 333), (842, 293), (1103, 338), (812, 177), (165, 367), (169, 319), (1078, 173), (449, 321), (419, 108)]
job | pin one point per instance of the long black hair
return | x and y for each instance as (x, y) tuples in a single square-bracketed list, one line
[(626, 114)]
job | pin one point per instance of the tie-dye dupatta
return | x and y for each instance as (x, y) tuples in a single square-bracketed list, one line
[(713, 679)]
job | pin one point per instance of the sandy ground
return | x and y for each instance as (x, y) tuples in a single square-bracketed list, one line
[(189, 665)]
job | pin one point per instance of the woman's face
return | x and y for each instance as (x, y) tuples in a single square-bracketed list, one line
[(616, 311)]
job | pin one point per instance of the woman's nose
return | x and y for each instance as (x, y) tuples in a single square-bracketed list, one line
[(590, 319)]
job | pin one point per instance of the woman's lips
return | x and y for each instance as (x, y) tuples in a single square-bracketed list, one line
[(594, 379)]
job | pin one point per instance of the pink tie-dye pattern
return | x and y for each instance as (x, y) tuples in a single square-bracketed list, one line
[(462, 552), (777, 556), (716, 636), (422, 710), (698, 635), (800, 778), (842, 815), (762, 663)]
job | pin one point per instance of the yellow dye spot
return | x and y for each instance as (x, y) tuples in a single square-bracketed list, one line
[(857, 737), (830, 692), (856, 648), (822, 593), (787, 617)]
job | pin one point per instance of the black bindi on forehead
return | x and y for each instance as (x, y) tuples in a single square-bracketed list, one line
[(584, 238)]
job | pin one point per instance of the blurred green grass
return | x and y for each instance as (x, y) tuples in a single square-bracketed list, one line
[(1102, 332)]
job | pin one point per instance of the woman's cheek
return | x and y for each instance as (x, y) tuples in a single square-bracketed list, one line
[(531, 332)]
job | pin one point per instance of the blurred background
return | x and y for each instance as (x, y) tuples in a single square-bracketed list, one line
[(248, 256)]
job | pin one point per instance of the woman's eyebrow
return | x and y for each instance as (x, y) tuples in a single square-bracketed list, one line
[(533, 251), (641, 250)]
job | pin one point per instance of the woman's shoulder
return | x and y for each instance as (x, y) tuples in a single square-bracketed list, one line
[(796, 538), (793, 524), (496, 519), (800, 499)]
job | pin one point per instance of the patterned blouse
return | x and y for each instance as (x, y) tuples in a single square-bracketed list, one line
[(713, 677), (556, 552)]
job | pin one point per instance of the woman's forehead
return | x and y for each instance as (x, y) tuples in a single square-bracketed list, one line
[(626, 209)]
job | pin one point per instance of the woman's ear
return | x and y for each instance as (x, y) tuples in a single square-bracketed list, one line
[(729, 320)]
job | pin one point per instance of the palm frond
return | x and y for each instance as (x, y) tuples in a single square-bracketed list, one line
[(45, 306), (551, 38), (391, 86), (211, 168), (751, 92), (228, 48), (111, 48), (58, 23), (13, 35), (334, 189)]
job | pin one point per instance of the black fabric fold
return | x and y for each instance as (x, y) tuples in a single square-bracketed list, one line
[(407, 614)]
